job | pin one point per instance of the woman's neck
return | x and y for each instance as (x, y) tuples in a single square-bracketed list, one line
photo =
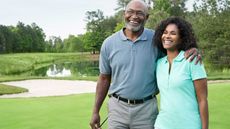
[(171, 55)]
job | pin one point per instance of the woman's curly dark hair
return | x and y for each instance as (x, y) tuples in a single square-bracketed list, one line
[(186, 33)]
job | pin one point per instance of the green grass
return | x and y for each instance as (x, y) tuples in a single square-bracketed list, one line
[(74, 112), (6, 89), (12, 64), (216, 72), (219, 105), (68, 112)]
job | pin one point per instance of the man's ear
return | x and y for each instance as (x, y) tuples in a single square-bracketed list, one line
[(123, 13), (147, 16)]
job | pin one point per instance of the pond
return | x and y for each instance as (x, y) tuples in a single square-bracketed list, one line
[(67, 69)]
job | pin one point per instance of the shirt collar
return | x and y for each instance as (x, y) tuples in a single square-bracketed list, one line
[(143, 36), (179, 57)]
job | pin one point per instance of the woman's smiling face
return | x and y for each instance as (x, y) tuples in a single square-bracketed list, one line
[(171, 37)]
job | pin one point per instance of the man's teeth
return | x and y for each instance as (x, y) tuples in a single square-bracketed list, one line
[(134, 22)]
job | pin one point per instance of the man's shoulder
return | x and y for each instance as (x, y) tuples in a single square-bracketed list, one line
[(113, 37), (147, 30)]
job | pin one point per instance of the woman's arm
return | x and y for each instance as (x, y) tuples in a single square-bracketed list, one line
[(202, 94)]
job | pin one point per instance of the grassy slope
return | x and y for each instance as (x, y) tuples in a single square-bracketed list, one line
[(11, 64), (5, 89)]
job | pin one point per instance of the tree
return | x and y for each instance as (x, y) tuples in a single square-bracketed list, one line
[(93, 19), (57, 44), (73, 44), (29, 38), (38, 37), (162, 9), (212, 26), (6, 39), (159, 11), (96, 32), (122, 4), (49, 46), (54, 44)]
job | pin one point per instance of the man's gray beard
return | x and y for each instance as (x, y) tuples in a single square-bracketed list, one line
[(132, 28)]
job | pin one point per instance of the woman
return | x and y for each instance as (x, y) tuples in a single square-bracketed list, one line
[(182, 84)]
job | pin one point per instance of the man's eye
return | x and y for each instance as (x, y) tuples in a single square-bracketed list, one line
[(140, 13), (129, 12)]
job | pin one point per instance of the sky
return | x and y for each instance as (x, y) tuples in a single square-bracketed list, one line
[(55, 17)]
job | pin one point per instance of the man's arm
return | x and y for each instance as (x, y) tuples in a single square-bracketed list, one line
[(202, 93), (102, 88), (192, 53)]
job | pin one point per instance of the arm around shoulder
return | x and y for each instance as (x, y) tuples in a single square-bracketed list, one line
[(193, 53)]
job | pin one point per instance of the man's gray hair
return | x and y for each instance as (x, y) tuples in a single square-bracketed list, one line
[(141, 2)]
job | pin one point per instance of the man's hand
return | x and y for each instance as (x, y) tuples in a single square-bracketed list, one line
[(95, 121), (192, 53)]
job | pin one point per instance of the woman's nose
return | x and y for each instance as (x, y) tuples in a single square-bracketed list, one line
[(167, 35)]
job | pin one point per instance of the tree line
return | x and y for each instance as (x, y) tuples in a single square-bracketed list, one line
[(21, 38), (31, 38), (210, 20)]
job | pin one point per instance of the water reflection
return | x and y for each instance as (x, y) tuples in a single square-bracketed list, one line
[(66, 69), (53, 71)]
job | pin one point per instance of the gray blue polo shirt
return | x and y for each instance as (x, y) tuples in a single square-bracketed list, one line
[(132, 65)]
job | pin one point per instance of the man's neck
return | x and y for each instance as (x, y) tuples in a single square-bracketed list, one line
[(132, 35)]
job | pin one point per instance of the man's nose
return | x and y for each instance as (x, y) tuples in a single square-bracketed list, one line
[(135, 15)]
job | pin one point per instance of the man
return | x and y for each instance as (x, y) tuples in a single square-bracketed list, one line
[(128, 60)]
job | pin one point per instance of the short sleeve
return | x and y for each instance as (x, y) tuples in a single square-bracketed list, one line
[(104, 64), (197, 70)]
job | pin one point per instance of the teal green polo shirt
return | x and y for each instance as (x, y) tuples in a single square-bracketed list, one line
[(178, 104)]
